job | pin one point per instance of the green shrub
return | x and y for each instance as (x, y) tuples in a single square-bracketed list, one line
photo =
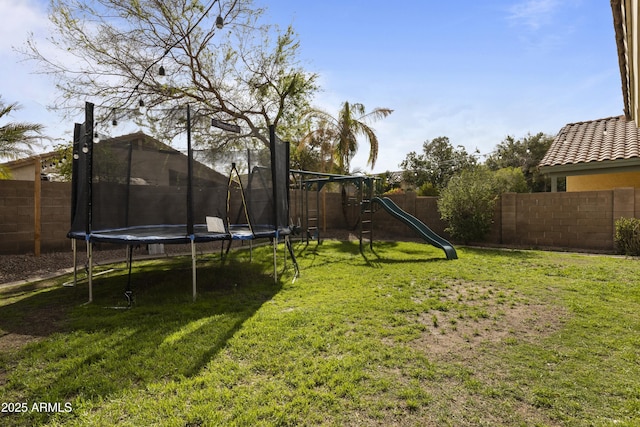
[(627, 237), (510, 180), (393, 191), (469, 199), (467, 204), (428, 189)]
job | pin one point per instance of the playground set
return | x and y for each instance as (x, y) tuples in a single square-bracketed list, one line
[(134, 190), (358, 208)]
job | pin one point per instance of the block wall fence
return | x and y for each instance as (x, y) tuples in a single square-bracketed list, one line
[(18, 217), (566, 221)]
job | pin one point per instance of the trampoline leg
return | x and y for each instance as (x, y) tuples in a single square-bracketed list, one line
[(193, 268), (90, 273), (284, 252), (275, 259), (74, 246), (128, 292)]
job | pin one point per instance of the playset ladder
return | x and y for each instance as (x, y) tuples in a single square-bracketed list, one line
[(312, 217), (365, 192)]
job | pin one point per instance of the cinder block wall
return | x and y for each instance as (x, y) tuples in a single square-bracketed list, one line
[(575, 220), (17, 216), (423, 208), (55, 216), (578, 220)]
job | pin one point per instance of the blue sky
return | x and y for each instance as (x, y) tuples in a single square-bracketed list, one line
[(474, 71)]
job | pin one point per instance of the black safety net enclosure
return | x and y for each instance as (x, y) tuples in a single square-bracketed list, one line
[(133, 189)]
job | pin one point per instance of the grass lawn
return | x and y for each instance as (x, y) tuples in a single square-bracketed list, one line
[(398, 336)]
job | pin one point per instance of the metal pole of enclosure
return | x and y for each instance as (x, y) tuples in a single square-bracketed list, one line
[(77, 136), (87, 149), (189, 175), (190, 228), (274, 194), (88, 143)]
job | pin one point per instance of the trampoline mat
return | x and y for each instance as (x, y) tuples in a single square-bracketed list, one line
[(176, 234)]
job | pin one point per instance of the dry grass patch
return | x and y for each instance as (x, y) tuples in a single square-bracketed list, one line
[(483, 315)]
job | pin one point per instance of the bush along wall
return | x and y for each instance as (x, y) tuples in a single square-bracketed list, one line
[(627, 236)]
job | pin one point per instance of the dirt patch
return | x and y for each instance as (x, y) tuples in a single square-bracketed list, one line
[(481, 315), (12, 341), (467, 335)]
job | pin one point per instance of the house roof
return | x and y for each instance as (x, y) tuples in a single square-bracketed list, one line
[(45, 157), (622, 21), (145, 142), (598, 146)]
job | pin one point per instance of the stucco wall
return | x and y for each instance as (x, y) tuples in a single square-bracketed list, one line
[(23, 173), (603, 181)]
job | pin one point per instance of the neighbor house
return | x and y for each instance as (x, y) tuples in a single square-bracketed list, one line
[(113, 157), (596, 155), (27, 168), (604, 153)]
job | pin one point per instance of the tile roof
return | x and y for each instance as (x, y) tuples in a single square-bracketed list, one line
[(613, 138)]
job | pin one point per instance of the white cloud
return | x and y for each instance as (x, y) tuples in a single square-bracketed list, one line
[(19, 81), (533, 14), (19, 18)]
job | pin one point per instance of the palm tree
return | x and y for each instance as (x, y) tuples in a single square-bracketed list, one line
[(342, 132), (17, 139)]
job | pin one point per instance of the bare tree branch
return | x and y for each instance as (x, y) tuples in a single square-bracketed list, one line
[(109, 51)]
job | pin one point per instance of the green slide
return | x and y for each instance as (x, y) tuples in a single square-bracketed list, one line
[(416, 225)]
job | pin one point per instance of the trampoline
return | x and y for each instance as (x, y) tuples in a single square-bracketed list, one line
[(175, 234), (135, 190)]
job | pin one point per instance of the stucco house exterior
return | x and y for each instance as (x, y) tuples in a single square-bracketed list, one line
[(605, 153), (595, 155), (27, 168)]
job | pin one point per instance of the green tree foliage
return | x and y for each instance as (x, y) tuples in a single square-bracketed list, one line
[(510, 179), (314, 152), (468, 201), (217, 55), (17, 139), (64, 161), (388, 181), (437, 164), (526, 154), (335, 139)]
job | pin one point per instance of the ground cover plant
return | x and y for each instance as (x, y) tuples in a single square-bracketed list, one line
[(395, 336)]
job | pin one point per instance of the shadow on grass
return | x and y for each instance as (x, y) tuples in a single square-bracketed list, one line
[(491, 251), (350, 253), (92, 352)]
